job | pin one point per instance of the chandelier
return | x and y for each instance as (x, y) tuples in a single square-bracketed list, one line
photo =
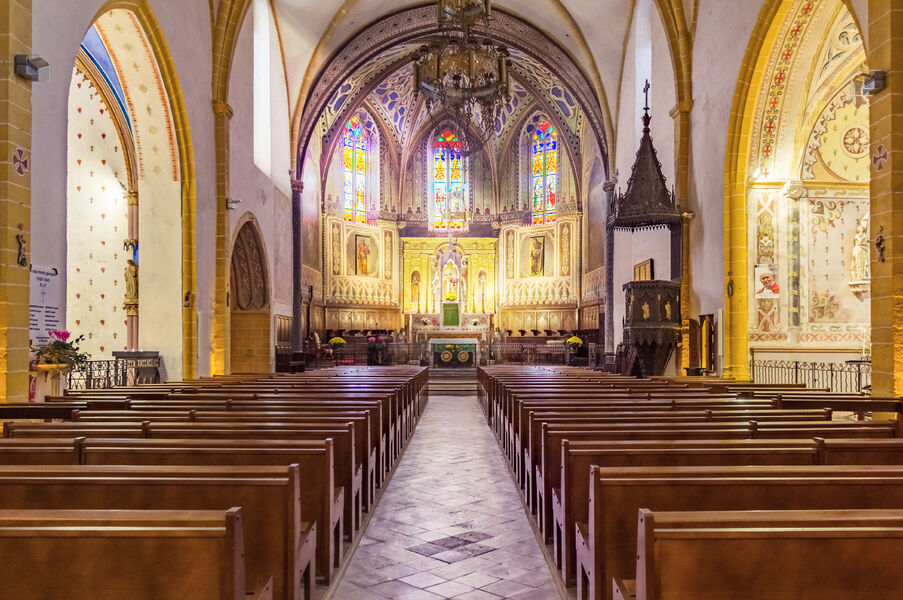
[(461, 70)]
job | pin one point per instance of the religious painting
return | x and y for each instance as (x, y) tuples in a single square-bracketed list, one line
[(363, 248), (537, 256), (644, 271), (766, 281)]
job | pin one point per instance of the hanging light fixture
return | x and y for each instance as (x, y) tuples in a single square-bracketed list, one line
[(462, 70)]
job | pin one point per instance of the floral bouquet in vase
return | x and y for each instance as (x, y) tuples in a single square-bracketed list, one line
[(62, 349), (573, 343)]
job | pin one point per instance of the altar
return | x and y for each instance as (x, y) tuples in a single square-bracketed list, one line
[(454, 353)]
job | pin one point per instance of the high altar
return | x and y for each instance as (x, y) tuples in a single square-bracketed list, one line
[(449, 286)]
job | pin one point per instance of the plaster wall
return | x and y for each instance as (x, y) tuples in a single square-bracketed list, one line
[(265, 198), (633, 248), (722, 34), (58, 29)]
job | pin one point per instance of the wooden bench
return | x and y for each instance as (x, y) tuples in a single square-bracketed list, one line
[(570, 497), (276, 540), (112, 554), (321, 501), (830, 555), (605, 544)]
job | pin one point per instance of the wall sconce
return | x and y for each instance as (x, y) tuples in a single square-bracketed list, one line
[(872, 82), (31, 67), (232, 203)]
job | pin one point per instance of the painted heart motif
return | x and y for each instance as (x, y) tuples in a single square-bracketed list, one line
[(78, 187), (79, 135), (103, 136), (103, 162), (125, 322), (78, 295), (103, 243), (79, 109), (79, 161), (79, 85), (78, 321), (103, 215), (102, 321), (101, 348), (101, 111), (102, 296), (78, 270), (103, 269), (103, 188)]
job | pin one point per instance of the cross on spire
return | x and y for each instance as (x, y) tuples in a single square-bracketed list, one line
[(646, 91)]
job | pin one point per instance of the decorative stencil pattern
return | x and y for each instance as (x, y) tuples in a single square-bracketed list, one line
[(838, 147), (97, 218), (394, 100)]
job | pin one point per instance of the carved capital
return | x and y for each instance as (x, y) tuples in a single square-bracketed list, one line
[(131, 198), (298, 186)]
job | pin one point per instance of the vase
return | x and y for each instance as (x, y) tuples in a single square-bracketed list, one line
[(50, 380)]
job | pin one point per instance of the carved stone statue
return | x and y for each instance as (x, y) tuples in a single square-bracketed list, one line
[(131, 282), (435, 286), (860, 269)]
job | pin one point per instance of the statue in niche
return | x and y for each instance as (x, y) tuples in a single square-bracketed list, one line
[(860, 269), (435, 285), (465, 266), (131, 282), (537, 254), (21, 253)]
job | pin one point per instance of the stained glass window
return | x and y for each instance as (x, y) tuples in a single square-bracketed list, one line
[(354, 172), (448, 182), (545, 173)]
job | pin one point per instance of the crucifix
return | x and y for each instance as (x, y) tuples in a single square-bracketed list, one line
[(646, 91)]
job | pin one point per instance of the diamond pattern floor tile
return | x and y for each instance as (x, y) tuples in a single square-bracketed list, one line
[(451, 523)]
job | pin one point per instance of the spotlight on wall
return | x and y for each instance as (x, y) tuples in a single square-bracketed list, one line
[(31, 67), (232, 203), (872, 82)]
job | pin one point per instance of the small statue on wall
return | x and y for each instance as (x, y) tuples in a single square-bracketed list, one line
[(860, 269), (435, 285), (21, 254), (131, 282)]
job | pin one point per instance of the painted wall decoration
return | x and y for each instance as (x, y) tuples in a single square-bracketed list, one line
[(767, 285), (96, 221), (509, 254), (838, 147), (388, 254), (537, 256), (565, 251)]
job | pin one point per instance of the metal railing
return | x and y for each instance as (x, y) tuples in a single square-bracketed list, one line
[(102, 374), (851, 377)]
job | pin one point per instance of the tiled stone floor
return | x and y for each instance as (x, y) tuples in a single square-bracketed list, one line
[(450, 523)]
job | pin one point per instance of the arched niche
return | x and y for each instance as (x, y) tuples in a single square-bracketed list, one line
[(249, 300)]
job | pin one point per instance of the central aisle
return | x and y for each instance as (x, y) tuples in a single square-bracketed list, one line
[(451, 523)]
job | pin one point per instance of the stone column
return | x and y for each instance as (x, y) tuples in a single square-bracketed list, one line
[(609, 343), (297, 290), (15, 202), (221, 359), (130, 244), (886, 110)]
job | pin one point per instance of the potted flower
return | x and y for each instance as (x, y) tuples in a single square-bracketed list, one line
[(451, 297), (337, 344), (573, 343), (56, 358)]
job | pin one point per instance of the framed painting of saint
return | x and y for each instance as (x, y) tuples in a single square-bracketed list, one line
[(363, 245), (537, 256)]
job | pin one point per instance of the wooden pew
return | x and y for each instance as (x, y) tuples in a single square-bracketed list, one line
[(277, 542), (605, 544), (39, 451), (112, 554), (320, 500), (825, 554), (570, 498)]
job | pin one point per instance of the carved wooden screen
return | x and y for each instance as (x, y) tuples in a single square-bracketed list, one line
[(249, 275)]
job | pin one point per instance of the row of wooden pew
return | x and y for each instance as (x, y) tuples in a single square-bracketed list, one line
[(290, 463), (598, 457)]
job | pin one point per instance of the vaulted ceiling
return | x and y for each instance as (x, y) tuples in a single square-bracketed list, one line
[(590, 33)]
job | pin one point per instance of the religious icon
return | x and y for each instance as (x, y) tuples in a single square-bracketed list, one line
[(131, 282), (767, 281), (415, 290), (537, 256), (859, 263), (362, 254)]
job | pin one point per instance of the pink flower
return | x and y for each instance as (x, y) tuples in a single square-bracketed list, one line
[(59, 335)]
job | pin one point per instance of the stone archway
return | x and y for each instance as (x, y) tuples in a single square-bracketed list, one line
[(250, 343)]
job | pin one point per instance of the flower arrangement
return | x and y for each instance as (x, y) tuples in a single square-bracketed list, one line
[(451, 297), (337, 343), (573, 343), (425, 321), (454, 348), (60, 350)]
